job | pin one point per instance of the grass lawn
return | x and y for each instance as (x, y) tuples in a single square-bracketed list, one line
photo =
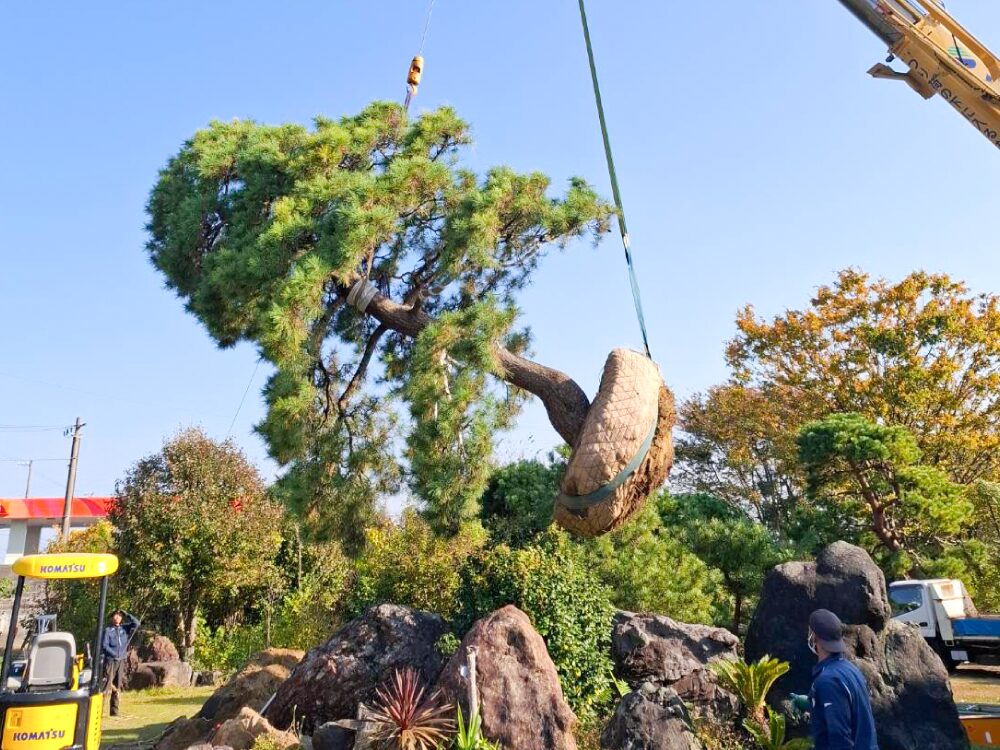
[(144, 713), (976, 686)]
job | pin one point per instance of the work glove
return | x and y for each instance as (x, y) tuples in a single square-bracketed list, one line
[(800, 703)]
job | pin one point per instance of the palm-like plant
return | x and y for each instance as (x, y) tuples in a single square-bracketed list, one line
[(403, 719), (751, 682), (771, 736)]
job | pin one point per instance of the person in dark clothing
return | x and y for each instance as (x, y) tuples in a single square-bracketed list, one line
[(839, 705), (114, 647)]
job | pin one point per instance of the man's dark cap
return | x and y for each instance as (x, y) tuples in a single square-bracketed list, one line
[(829, 631)]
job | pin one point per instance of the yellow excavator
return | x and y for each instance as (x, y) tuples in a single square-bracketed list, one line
[(940, 55), (51, 700)]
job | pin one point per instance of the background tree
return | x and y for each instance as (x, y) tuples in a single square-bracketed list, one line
[(193, 527), (726, 540), (736, 446), (75, 602), (517, 502), (982, 545), (265, 231), (914, 513), (923, 354)]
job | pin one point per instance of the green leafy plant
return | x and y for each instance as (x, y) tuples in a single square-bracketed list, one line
[(621, 687), (407, 563), (750, 681), (403, 719), (771, 736), (470, 736), (447, 645)]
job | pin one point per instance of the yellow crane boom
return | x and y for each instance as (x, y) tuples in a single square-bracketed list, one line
[(941, 56)]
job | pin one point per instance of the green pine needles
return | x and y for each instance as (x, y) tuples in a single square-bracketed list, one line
[(264, 230)]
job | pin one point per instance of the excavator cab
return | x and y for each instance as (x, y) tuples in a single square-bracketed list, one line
[(51, 699)]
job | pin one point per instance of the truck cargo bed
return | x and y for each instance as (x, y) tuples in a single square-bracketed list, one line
[(977, 627)]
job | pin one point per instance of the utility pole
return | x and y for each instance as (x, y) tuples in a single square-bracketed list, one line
[(27, 486), (74, 454)]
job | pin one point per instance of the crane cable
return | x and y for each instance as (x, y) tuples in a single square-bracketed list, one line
[(633, 281), (417, 64)]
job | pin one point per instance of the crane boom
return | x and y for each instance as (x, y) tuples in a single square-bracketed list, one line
[(941, 56)]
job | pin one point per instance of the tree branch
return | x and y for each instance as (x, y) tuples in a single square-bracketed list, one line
[(359, 374)]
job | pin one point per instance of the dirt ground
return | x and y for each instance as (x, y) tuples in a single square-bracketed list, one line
[(976, 684)]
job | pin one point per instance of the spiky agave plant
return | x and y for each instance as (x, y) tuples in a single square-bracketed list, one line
[(403, 719)]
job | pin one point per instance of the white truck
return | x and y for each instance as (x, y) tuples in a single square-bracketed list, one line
[(947, 618)]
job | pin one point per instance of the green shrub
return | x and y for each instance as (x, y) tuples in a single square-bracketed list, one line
[(569, 608), (648, 569), (408, 564), (309, 614), (227, 649)]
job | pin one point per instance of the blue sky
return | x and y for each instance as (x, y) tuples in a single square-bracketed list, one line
[(756, 159)]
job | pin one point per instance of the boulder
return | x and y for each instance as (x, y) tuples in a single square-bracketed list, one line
[(207, 678), (253, 685), (183, 733), (155, 647), (160, 674), (520, 699), (651, 718), (667, 653), (911, 695), (242, 731), (332, 679), (329, 736)]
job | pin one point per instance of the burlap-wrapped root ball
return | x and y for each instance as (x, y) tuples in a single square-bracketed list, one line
[(624, 451)]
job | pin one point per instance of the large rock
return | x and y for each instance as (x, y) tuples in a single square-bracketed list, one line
[(183, 733), (253, 685), (332, 737), (332, 679), (656, 649), (155, 647), (160, 674), (651, 718), (911, 695), (242, 731), (147, 647), (520, 699)]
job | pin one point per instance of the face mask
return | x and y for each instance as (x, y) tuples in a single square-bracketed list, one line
[(811, 643)]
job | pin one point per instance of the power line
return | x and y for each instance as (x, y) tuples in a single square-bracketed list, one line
[(29, 428), (104, 396), (25, 460), (245, 392)]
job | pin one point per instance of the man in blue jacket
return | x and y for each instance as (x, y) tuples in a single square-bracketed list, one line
[(114, 647), (840, 710)]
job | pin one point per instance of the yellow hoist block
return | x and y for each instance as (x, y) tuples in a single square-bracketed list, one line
[(416, 71)]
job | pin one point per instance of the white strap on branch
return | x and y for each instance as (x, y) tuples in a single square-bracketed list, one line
[(361, 294)]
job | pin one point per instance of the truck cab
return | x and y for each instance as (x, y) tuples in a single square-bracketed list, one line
[(948, 620)]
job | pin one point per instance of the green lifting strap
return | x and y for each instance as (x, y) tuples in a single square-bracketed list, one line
[(614, 183), (582, 502)]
